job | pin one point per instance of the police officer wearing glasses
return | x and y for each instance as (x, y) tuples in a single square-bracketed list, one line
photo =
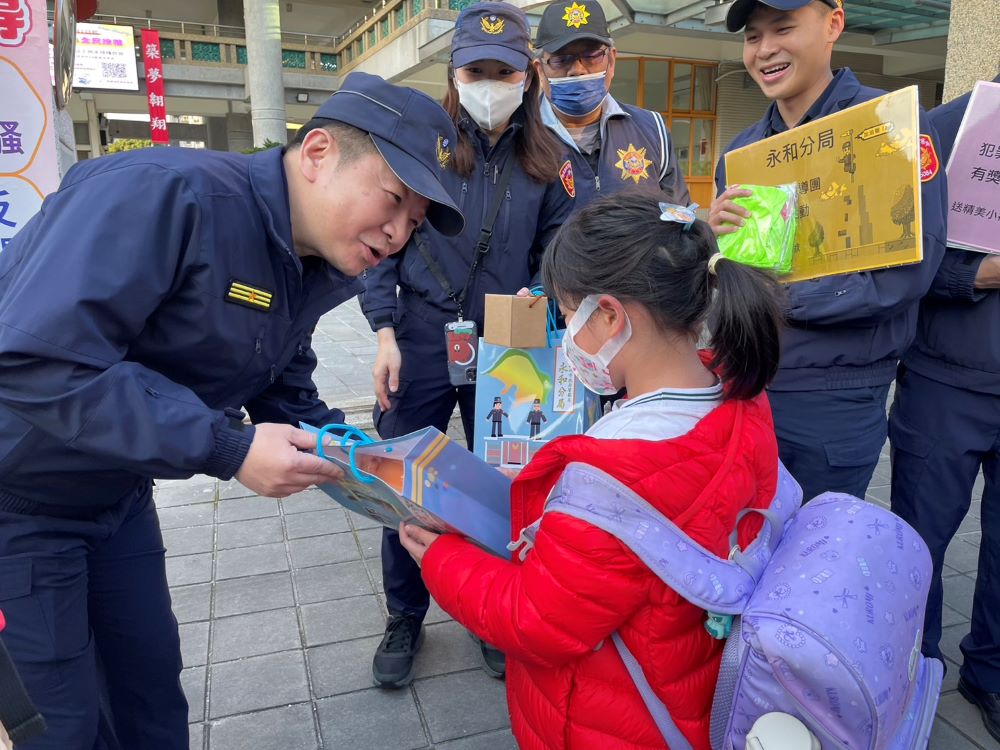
[(612, 146)]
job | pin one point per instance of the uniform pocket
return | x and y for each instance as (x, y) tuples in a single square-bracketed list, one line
[(862, 450), (15, 579), (904, 437)]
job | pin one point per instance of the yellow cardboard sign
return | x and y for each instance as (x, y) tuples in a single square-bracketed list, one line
[(858, 173)]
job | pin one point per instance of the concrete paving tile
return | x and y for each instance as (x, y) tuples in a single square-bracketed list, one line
[(447, 648), (238, 596), (371, 719), (371, 542), (323, 550), (950, 638), (342, 620), (257, 683), (359, 522), (285, 728), (190, 541), (186, 515), (249, 533), (189, 569), (328, 582), (880, 493), (966, 718), (342, 667), (250, 561), (184, 493), (191, 603), (958, 592), (194, 643), (462, 704), (232, 488), (950, 617), (973, 537), (949, 683), (255, 634), (502, 740), (316, 523), (970, 524), (193, 684), (197, 736), (245, 508), (302, 502)]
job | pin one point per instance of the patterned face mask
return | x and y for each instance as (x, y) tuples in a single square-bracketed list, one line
[(592, 369)]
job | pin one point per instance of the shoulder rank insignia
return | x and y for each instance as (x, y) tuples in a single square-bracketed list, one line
[(576, 15), (633, 163), (929, 162), (566, 176), (492, 24), (248, 296)]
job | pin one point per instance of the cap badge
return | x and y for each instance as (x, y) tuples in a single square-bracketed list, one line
[(492, 24), (576, 15), (633, 163), (443, 153)]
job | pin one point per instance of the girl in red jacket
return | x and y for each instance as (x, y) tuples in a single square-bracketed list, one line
[(634, 279)]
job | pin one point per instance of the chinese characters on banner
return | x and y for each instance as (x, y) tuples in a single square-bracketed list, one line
[(564, 390), (974, 175), (153, 63), (28, 169), (858, 172)]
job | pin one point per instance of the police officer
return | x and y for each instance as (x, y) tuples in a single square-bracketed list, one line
[(845, 333), (944, 427), (155, 294), (577, 65), (503, 171)]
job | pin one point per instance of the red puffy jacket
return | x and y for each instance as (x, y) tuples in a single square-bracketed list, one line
[(567, 688)]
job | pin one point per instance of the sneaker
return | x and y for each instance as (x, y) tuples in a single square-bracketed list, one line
[(494, 663), (987, 703), (392, 666)]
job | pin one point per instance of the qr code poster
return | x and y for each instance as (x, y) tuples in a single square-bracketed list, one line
[(105, 57)]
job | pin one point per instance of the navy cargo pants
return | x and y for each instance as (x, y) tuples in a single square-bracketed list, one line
[(90, 629), (425, 398), (941, 437)]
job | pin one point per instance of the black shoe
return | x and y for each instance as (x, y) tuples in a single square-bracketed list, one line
[(494, 662), (392, 666), (987, 703)]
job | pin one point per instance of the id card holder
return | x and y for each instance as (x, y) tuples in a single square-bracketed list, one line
[(462, 340)]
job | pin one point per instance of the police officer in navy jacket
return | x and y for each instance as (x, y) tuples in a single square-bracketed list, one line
[(845, 333), (493, 99), (154, 295), (944, 427), (612, 146)]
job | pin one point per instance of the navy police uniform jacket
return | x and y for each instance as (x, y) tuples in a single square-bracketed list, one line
[(529, 216), (635, 150), (152, 291), (849, 331), (958, 340)]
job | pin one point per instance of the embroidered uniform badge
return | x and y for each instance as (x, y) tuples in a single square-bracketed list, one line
[(633, 163), (576, 15)]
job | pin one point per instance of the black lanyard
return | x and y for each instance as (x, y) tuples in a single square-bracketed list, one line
[(482, 246), (17, 714)]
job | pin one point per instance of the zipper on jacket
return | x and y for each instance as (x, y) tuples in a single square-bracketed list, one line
[(257, 347), (597, 182), (273, 374)]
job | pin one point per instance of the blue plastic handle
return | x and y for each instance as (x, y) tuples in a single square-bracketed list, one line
[(351, 435)]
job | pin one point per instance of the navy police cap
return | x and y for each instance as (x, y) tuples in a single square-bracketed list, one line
[(491, 31), (739, 12), (567, 22), (411, 131)]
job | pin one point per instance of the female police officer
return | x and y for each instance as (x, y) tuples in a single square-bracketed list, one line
[(503, 169)]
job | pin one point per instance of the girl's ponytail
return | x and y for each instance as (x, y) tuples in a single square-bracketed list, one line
[(745, 321)]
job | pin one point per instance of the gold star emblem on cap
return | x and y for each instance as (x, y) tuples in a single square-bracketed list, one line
[(576, 15), (492, 25), (633, 163)]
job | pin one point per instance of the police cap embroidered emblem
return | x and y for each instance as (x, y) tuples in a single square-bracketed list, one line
[(929, 162), (576, 15), (492, 24), (249, 296)]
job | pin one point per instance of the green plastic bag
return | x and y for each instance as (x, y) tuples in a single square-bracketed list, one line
[(767, 239)]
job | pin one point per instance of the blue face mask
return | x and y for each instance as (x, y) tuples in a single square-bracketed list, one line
[(577, 96)]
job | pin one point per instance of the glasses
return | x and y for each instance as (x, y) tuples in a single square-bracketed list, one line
[(591, 59)]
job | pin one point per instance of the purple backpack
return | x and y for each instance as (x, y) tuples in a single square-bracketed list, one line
[(826, 605)]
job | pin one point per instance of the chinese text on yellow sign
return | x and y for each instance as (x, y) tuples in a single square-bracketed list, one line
[(858, 172)]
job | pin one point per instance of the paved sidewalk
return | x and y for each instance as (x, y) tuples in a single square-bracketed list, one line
[(281, 607)]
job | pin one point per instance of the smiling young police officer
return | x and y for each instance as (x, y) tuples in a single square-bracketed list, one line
[(612, 146), (154, 295), (845, 333)]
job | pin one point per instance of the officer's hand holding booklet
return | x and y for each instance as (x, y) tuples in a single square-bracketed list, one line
[(422, 478)]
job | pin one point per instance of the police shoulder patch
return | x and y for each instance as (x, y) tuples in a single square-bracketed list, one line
[(929, 162), (566, 177), (241, 293)]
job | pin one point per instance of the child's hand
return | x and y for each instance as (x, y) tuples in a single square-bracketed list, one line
[(416, 540)]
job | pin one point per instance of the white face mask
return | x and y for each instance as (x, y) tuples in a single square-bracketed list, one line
[(490, 103), (592, 369)]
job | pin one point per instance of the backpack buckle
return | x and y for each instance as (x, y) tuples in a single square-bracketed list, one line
[(718, 626), (525, 541)]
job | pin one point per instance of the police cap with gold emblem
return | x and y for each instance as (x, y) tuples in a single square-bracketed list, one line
[(567, 22), (410, 130), (491, 31), (740, 11)]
